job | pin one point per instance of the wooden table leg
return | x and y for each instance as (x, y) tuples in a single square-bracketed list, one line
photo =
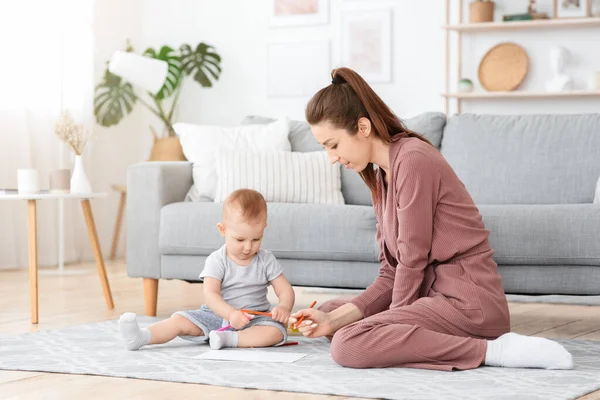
[(33, 259), (89, 220), (118, 223)]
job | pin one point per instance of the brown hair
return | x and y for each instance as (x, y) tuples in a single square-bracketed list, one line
[(349, 98), (251, 204)]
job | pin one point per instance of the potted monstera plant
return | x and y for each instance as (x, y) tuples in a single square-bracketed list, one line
[(115, 98)]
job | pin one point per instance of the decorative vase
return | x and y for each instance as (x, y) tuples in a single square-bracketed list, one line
[(481, 11), (79, 181), (167, 149)]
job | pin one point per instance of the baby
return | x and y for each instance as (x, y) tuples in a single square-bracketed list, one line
[(236, 277)]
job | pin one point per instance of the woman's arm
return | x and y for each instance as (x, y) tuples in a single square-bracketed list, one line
[(417, 186), (378, 296), (317, 323), (344, 315)]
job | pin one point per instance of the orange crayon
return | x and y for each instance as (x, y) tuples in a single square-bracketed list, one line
[(302, 317)]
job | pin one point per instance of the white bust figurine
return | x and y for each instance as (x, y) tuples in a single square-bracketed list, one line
[(560, 82)]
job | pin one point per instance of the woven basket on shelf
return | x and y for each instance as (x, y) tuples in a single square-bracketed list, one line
[(481, 11), (503, 67)]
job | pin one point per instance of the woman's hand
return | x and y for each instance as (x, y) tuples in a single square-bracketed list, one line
[(238, 319), (316, 323), (280, 314)]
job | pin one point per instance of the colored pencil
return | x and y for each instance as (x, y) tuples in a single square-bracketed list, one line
[(256, 312), (302, 317)]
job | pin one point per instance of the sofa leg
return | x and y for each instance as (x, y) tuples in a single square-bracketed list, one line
[(150, 296)]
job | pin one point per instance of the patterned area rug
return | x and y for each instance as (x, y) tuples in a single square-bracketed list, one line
[(96, 349)]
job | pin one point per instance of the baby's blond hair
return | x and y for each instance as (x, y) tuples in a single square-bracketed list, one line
[(250, 203)]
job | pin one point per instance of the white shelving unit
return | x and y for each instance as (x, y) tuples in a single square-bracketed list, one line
[(462, 28)]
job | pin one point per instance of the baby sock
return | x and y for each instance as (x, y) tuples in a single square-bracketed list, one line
[(517, 351), (218, 340), (132, 335)]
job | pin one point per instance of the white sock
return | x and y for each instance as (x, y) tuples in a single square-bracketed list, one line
[(132, 335), (517, 351), (218, 340)]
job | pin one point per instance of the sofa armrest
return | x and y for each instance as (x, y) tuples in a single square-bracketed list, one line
[(150, 186)]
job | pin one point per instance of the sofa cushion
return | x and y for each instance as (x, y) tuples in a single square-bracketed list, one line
[(294, 231), (562, 234), (280, 176), (525, 159), (430, 124)]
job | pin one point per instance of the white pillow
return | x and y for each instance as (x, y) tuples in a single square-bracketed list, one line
[(597, 194), (280, 176), (201, 143)]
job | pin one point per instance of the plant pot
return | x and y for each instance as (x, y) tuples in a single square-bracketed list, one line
[(481, 11), (167, 149), (465, 86)]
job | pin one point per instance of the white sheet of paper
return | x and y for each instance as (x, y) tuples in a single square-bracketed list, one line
[(250, 355)]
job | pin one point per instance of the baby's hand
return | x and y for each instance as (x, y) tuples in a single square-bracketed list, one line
[(238, 319), (280, 314)]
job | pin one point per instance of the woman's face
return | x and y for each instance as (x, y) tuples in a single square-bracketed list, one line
[(351, 151)]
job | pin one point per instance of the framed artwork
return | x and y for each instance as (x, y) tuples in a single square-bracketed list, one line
[(367, 43), (572, 8), (299, 12), (297, 69)]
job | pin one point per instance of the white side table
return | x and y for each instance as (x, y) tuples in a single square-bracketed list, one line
[(32, 233)]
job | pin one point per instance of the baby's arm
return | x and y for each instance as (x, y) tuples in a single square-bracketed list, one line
[(285, 294), (214, 301)]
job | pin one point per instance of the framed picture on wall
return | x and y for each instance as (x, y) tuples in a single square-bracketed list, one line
[(299, 12), (367, 43), (572, 8)]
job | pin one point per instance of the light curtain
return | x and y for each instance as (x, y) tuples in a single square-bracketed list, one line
[(46, 65)]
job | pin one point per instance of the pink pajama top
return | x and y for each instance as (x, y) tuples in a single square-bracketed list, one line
[(434, 247)]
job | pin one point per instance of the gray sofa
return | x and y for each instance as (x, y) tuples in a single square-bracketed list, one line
[(532, 177)]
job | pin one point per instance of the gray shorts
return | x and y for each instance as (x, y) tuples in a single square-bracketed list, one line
[(208, 321)]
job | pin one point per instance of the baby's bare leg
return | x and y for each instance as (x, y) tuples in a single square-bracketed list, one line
[(161, 332), (168, 329), (259, 336)]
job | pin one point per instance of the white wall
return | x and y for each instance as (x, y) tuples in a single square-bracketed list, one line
[(239, 30)]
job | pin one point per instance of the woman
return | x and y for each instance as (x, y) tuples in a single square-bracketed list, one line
[(438, 302)]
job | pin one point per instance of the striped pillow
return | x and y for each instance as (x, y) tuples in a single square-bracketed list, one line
[(280, 176)]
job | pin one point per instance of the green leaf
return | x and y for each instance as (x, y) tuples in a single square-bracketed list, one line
[(200, 63), (174, 73), (114, 99)]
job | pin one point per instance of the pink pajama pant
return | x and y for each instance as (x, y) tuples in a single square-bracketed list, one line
[(430, 333)]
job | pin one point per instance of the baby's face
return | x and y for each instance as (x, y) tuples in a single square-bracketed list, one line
[(242, 238)]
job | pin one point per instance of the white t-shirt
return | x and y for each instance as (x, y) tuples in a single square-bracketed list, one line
[(243, 286)]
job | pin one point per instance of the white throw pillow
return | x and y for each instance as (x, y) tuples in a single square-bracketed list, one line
[(597, 194), (280, 176), (201, 143)]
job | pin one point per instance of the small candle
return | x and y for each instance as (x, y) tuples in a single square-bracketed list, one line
[(60, 181), (28, 181)]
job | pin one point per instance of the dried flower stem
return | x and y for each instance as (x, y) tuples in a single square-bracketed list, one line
[(76, 136)]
